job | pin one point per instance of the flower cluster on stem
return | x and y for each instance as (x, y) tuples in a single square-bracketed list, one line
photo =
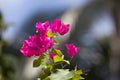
[(42, 45)]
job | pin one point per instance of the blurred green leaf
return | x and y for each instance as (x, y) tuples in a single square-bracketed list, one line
[(66, 61), (57, 59), (7, 66), (39, 61), (77, 75), (53, 50), (57, 51), (47, 78), (79, 72), (62, 74), (44, 75), (50, 67)]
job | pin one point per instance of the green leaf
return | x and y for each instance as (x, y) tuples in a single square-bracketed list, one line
[(66, 61), (39, 61), (62, 74), (53, 50), (57, 59), (77, 75), (57, 51), (50, 67), (50, 34), (79, 72), (47, 78), (44, 74)]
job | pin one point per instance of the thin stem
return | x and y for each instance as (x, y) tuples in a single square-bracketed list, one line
[(43, 71), (0, 46), (1, 76), (76, 67), (61, 65), (71, 59), (50, 61), (49, 57)]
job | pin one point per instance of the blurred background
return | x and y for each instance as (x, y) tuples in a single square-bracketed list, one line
[(95, 27)]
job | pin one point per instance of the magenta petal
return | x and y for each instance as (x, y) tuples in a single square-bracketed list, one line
[(36, 45), (58, 26), (55, 26), (71, 49), (52, 55), (64, 29), (42, 28)]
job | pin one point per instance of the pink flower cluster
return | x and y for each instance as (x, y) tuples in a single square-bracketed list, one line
[(57, 26), (38, 44)]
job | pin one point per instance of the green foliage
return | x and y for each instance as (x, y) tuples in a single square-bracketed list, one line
[(57, 59), (68, 62), (2, 24), (7, 62), (79, 72), (62, 74), (7, 67), (51, 72), (77, 75), (57, 51), (39, 61), (54, 65), (44, 74)]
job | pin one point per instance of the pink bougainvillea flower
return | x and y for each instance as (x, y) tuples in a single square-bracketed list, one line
[(31, 46), (71, 49), (64, 29), (46, 42), (36, 45), (55, 25), (59, 27), (42, 28)]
